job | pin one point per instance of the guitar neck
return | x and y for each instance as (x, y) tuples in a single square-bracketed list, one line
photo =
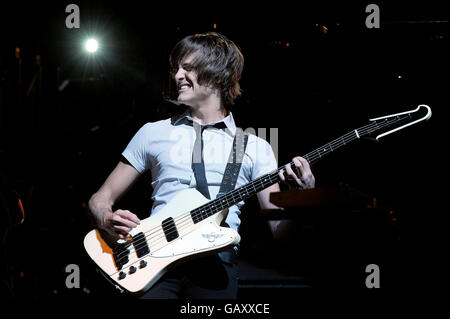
[(243, 192)]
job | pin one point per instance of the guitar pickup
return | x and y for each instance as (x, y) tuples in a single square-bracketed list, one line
[(120, 255), (140, 245), (170, 229)]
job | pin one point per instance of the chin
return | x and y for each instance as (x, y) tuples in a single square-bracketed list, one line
[(183, 100)]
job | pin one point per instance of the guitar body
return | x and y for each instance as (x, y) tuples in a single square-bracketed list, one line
[(138, 272)]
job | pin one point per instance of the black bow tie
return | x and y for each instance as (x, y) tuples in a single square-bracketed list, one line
[(218, 125)]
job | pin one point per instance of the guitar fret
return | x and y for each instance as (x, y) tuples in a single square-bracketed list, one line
[(261, 182), (224, 200)]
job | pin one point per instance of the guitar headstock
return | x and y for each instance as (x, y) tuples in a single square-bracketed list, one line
[(399, 121)]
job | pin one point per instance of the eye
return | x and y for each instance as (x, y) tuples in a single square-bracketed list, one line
[(187, 66)]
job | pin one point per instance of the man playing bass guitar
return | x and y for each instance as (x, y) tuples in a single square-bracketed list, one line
[(191, 150)]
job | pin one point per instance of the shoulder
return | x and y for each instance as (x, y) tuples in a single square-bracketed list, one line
[(261, 156), (260, 151), (159, 124), (149, 132), (258, 143), (150, 127)]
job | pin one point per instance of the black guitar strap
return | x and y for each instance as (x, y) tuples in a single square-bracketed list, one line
[(231, 170), (230, 177), (234, 162)]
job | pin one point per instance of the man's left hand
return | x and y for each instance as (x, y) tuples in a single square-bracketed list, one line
[(303, 177)]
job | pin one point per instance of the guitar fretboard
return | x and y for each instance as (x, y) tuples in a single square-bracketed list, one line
[(243, 192)]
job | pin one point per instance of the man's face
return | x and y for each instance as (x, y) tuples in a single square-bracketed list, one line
[(189, 91)]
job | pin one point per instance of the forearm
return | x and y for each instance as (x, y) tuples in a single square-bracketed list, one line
[(100, 206), (266, 204), (120, 222)]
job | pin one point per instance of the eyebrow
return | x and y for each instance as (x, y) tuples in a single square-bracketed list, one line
[(187, 64), (192, 57)]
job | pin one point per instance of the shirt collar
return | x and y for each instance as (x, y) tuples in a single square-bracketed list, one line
[(186, 118)]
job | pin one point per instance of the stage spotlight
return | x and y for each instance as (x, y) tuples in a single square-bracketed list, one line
[(91, 45)]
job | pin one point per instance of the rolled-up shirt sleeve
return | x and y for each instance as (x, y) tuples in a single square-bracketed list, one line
[(265, 160)]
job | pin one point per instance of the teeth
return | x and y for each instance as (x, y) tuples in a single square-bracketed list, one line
[(184, 87)]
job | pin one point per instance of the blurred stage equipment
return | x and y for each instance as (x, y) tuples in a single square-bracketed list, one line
[(326, 236)]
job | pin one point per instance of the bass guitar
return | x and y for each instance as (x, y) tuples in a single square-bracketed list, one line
[(190, 225)]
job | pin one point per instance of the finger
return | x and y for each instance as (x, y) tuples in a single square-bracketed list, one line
[(286, 179), (302, 182), (306, 174), (298, 165), (289, 170), (304, 162), (121, 230), (281, 175), (126, 214), (292, 179), (291, 175), (120, 221), (126, 236), (302, 166)]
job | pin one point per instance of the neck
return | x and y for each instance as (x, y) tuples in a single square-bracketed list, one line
[(208, 112)]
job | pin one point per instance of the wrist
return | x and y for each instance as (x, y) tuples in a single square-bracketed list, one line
[(104, 218)]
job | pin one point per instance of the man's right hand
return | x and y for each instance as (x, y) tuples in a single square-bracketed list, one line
[(119, 223)]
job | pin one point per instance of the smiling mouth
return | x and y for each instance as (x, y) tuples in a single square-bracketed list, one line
[(184, 86)]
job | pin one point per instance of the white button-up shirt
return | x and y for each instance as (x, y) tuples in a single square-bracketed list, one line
[(165, 147)]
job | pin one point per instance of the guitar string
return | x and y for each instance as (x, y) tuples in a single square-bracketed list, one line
[(312, 157), (316, 154), (361, 132)]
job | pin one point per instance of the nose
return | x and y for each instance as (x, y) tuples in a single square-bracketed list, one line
[(180, 75)]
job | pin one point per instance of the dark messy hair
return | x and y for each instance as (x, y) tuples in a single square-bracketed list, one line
[(218, 62)]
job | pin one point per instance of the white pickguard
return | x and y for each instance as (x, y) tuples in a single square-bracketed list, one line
[(208, 236)]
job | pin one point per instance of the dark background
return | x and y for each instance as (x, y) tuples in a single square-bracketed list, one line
[(313, 70)]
